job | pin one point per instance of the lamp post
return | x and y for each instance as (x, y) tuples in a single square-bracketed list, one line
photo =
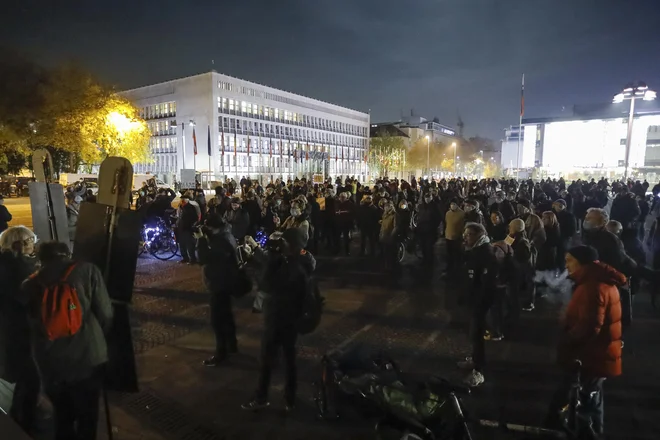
[(428, 155), (453, 144), (632, 92)]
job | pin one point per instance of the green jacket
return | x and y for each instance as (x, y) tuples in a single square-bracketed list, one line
[(73, 358)]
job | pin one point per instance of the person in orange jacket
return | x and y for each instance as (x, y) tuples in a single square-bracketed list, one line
[(591, 333)]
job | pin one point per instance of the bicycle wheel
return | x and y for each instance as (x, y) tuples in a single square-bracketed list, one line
[(164, 247)]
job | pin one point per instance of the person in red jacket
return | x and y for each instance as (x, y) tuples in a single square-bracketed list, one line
[(591, 332)]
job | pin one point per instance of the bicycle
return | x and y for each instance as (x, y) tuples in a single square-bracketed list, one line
[(159, 240)]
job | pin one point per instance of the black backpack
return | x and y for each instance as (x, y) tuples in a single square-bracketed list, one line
[(312, 309)]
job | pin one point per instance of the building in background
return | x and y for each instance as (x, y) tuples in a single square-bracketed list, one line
[(590, 142), (242, 128), (414, 128)]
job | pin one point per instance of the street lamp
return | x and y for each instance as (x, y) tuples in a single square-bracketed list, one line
[(428, 156), (453, 144), (632, 92)]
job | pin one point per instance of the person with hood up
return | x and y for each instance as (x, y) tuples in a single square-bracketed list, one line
[(238, 218), (591, 333), (472, 212), (428, 221), (286, 279), (481, 269)]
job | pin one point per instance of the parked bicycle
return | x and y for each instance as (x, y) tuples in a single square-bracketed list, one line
[(158, 239)]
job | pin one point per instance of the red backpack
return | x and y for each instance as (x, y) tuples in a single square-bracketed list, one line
[(61, 314)]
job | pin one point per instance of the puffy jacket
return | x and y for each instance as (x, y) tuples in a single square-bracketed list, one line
[(592, 324)]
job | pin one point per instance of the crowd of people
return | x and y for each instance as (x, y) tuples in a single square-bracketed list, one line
[(507, 243)]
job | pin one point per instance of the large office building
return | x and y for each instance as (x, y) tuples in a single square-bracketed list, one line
[(591, 141), (227, 127), (413, 128)]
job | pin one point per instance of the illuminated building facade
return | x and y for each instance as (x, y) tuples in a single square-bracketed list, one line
[(591, 142), (253, 130)]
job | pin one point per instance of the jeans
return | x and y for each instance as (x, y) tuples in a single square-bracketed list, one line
[(222, 322), (76, 407), (591, 397), (272, 340), (187, 245)]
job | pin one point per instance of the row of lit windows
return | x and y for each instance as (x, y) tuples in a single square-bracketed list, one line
[(162, 110), (249, 91), (274, 130), (266, 164), (160, 128), (275, 147), (162, 144), (162, 163), (254, 110)]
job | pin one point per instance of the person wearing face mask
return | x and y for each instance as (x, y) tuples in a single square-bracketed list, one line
[(298, 219), (472, 212), (504, 206), (454, 223), (238, 218)]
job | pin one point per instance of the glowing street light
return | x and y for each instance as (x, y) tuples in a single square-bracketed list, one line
[(632, 92)]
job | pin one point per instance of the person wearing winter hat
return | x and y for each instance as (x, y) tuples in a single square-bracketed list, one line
[(285, 282), (591, 333)]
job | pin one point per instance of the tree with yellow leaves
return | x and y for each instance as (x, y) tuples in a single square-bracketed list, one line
[(387, 154), (67, 111)]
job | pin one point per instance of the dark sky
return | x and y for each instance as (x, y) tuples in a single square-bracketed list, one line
[(439, 57)]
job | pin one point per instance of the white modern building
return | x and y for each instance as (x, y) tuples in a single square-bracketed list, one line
[(592, 141), (227, 127)]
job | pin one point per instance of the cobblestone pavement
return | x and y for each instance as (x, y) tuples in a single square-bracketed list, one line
[(413, 320)]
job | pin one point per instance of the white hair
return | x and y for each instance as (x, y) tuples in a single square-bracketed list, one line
[(15, 234), (602, 213)]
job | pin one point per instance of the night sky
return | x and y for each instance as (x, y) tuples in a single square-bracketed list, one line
[(440, 57)]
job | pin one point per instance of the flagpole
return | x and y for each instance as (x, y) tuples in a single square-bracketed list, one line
[(208, 182), (183, 149), (520, 128), (195, 152)]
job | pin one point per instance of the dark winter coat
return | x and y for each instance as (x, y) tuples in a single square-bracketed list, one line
[(547, 257), (481, 269), (610, 250), (625, 210), (5, 217), (217, 253), (14, 325)]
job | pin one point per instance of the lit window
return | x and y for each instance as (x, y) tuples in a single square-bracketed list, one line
[(231, 105), (254, 109), (244, 106), (277, 113)]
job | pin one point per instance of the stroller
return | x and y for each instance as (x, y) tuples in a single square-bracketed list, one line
[(373, 385)]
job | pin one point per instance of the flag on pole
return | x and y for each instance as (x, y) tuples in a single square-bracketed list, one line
[(522, 97), (248, 146), (194, 142), (281, 148), (209, 140), (307, 152)]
